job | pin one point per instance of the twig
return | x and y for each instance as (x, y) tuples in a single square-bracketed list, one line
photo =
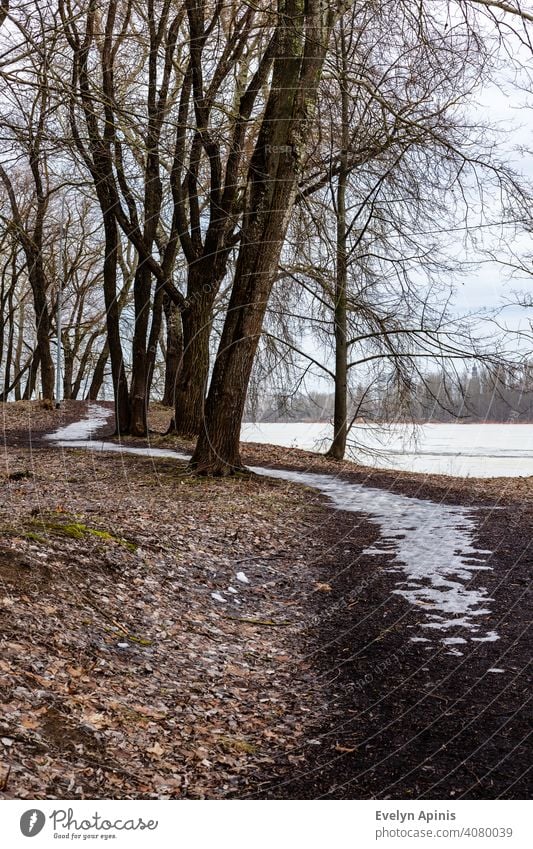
[(258, 557), (258, 621), (6, 779), (103, 613)]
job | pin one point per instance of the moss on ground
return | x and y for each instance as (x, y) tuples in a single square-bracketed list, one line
[(73, 530)]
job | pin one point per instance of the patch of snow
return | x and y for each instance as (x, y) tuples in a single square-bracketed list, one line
[(491, 637), (218, 597), (118, 448), (77, 435), (431, 545), (495, 670), (242, 578), (97, 416)]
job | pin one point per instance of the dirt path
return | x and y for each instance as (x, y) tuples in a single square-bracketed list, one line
[(422, 719), (374, 714), (418, 720)]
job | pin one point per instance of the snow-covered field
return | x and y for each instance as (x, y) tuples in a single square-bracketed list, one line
[(461, 450)]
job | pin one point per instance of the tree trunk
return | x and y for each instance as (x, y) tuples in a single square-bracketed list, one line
[(153, 339), (68, 377), (98, 373), (68, 360), (9, 346), (340, 416), (174, 351), (272, 178), (192, 379), (4, 9), (138, 398), (42, 323), (32, 375), (120, 383), (83, 364), (18, 351)]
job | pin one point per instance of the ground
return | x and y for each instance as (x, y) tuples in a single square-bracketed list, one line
[(124, 675)]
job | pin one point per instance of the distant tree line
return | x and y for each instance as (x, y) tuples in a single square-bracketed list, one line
[(481, 394)]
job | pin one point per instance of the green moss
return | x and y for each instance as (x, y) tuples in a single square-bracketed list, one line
[(77, 530), (140, 640), (33, 537)]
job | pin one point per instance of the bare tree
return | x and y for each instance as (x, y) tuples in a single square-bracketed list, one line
[(302, 38)]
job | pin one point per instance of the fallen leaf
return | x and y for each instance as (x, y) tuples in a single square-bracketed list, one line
[(29, 723), (156, 750), (339, 748)]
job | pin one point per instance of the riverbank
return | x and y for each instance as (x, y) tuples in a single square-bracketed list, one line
[(144, 675), (517, 490)]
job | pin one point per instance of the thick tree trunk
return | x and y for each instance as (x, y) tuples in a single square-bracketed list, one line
[(271, 190), (192, 379), (174, 350), (68, 376), (42, 322)]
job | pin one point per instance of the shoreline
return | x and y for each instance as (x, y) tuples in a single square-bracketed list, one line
[(485, 490)]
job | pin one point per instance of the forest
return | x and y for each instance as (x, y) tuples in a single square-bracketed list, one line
[(201, 201), (486, 396)]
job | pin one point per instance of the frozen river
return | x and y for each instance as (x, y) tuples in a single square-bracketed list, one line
[(461, 450)]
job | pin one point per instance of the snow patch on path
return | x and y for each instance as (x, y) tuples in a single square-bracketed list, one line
[(78, 435), (427, 542), (82, 430), (120, 448), (430, 544)]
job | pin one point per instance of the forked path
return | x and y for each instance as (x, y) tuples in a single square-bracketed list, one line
[(421, 637)]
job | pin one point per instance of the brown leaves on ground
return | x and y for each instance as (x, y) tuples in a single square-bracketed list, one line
[(134, 662), (122, 674)]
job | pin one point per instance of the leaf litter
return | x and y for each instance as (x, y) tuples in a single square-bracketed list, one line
[(122, 673)]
